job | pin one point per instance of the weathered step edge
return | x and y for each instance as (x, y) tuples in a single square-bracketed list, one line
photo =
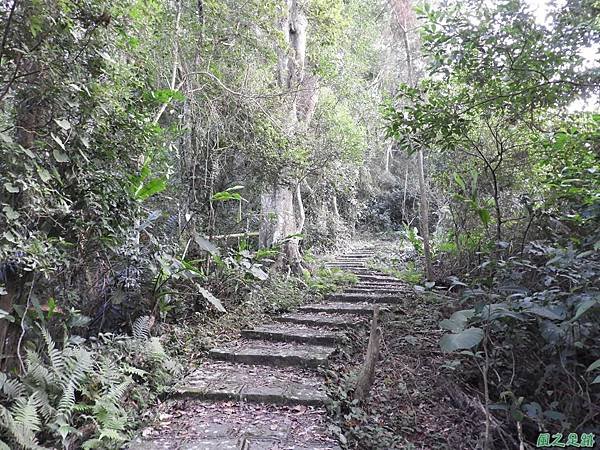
[(339, 308), (261, 357), (318, 320), (311, 336), (274, 396)]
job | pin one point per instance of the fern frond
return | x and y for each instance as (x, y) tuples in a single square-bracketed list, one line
[(116, 392), (117, 420), (20, 433), (44, 406), (112, 435), (131, 370), (79, 364), (156, 350), (56, 356), (67, 400), (108, 372), (141, 327), (37, 374), (24, 413), (11, 387)]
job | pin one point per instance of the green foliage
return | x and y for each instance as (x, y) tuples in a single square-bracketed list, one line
[(542, 306), (411, 234), (62, 388), (325, 281)]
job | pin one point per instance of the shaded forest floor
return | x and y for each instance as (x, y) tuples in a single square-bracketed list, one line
[(414, 402)]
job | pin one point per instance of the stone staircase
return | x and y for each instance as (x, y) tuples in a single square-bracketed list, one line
[(273, 366)]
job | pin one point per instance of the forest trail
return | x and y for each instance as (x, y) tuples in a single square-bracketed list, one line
[(263, 391)]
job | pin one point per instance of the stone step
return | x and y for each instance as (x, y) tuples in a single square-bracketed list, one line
[(340, 308), (293, 333), (380, 283), (363, 297), (374, 286), (379, 278), (276, 354), (200, 425), (342, 264), (373, 291), (353, 260), (320, 320), (216, 381)]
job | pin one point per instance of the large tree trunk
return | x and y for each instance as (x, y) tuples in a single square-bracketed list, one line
[(278, 223), (278, 214)]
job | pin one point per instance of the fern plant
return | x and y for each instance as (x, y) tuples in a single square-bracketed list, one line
[(45, 395), (61, 390)]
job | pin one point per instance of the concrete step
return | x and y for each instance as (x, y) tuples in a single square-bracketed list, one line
[(276, 354), (200, 425), (365, 309), (320, 320), (377, 278), (216, 380), (373, 291), (293, 333), (364, 297)]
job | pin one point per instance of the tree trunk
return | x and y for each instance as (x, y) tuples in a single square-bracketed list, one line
[(367, 374), (278, 216), (388, 157), (30, 114), (278, 223), (403, 12), (424, 214)]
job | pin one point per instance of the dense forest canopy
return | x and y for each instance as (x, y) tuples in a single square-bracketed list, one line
[(166, 164)]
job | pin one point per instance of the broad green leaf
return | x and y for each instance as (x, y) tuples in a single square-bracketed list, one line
[(6, 138), (596, 380), (212, 299), (459, 180), (464, 340), (11, 214), (44, 174), (11, 188), (60, 156), (544, 312), (484, 215), (152, 187), (6, 315), (457, 321), (584, 307), (257, 272), (10, 237), (205, 244), (63, 123), (595, 365), (58, 140), (225, 196)]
